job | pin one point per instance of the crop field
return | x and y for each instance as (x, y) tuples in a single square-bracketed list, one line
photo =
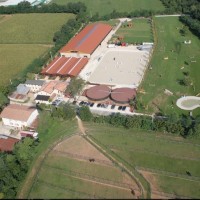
[(174, 66), (168, 157), (68, 173), (24, 37), (16, 57), (31, 28), (104, 7), (138, 33)]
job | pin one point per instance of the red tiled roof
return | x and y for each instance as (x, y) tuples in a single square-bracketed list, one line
[(7, 144), (63, 66), (88, 39)]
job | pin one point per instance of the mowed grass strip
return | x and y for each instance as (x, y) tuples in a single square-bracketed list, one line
[(104, 7), (171, 58), (140, 140), (51, 176), (15, 58), (32, 28), (84, 167), (139, 32), (178, 186)]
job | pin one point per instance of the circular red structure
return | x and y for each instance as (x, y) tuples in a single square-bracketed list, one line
[(98, 93), (123, 95)]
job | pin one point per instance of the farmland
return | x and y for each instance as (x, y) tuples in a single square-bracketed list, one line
[(31, 28), (172, 62), (21, 41), (166, 156), (104, 7), (67, 173), (140, 31)]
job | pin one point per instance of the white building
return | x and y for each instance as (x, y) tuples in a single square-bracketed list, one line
[(18, 116), (34, 85)]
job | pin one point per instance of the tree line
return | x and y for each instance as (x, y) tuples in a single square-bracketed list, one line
[(190, 8), (14, 166)]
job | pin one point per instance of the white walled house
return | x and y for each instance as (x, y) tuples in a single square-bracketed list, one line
[(19, 116), (34, 85)]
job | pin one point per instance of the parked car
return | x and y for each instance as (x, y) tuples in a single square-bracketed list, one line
[(81, 103), (120, 107), (92, 104), (124, 108), (99, 105), (112, 107)]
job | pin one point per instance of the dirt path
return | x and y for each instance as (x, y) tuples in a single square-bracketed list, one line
[(5, 18), (140, 187)]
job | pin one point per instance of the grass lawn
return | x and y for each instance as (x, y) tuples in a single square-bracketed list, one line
[(166, 73), (15, 58), (50, 130), (31, 28), (138, 33), (104, 7), (149, 151), (178, 186)]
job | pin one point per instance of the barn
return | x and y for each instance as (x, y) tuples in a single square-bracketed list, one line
[(87, 41)]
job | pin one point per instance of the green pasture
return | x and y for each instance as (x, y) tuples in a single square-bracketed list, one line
[(171, 59), (149, 150), (63, 180), (14, 58), (32, 28), (104, 7), (55, 172), (50, 131), (138, 33), (178, 186)]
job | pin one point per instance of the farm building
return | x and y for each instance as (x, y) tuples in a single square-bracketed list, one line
[(7, 143), (53, 89), (86, 42), (34, 85), (18, 116), (63, 66)]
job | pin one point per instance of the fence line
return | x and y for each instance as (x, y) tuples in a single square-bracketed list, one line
[(194, 178), (73, 155), (68, 189), (102, 180), (151, 152), (43, 159)]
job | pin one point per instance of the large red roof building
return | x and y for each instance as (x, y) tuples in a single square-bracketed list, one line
[(63, 66), (85, 42)]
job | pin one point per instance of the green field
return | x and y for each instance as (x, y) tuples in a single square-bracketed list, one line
[(169, 155), (104, 7), (16, 57), (50, 131), (138, 33), (24, 37), (31, 28), (166, 73)]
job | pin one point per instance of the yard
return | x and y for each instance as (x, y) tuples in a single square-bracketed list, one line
[(163, 154), (174, 67), (21, 41), (104, 7), (135, 31)]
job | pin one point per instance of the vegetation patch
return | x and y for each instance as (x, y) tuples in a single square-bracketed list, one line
[(107, 6), (174, 66), (135, 31)]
